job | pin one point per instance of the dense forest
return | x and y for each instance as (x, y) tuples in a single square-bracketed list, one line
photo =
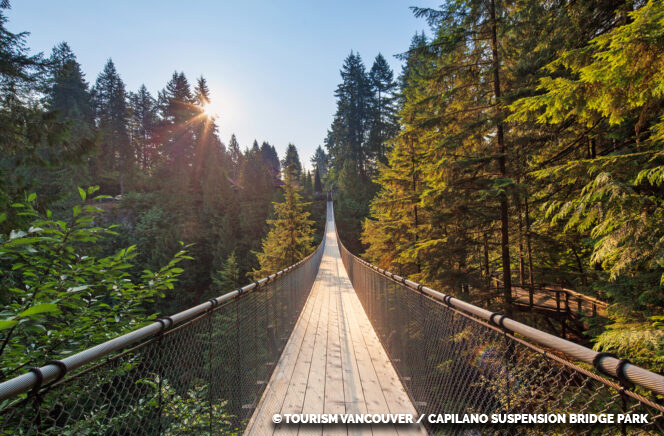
[(522, 141), (116, 205)]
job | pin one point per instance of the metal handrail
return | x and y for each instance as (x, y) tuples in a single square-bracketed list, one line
[(607, 364), (54, 371)]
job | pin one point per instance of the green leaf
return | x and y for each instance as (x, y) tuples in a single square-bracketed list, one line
[(7, 323), (82, 193), (32, 197), (3, 217), (39, 308)]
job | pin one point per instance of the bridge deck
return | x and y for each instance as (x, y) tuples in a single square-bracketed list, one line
[(332, 363)]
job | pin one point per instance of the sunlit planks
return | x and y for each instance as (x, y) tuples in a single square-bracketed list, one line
[(333, 363)]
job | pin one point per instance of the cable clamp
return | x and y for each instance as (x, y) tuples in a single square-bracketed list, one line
[(61, 366), (597, 359), (166, 323), (501, 322), (40, 379), (620, 373)]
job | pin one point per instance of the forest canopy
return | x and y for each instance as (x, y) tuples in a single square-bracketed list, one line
[(523, 147)]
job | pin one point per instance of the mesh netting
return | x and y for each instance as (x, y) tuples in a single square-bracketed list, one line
[(204, 376), (452, 363)]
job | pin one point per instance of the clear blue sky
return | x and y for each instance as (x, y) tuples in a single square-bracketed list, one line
[(272, 66)]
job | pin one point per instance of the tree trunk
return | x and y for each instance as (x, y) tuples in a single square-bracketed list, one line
[(531, 278), (414, 193), (487, 272), (522, 272), (502, 148)]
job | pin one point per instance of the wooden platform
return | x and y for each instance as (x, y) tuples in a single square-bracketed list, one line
[(333, 363)]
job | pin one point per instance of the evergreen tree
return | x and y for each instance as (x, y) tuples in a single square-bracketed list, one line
[(178, 109), (143, 121), (68, 97), (347, 143), (291, 163), (236, 157), (271, 159), (201, 92), (352, 206), (115, 160), (320, 162), (32, 141), (349, 132), (395, 228), (383, 124), (318, 185), (605, 185), (307, 185), (68, 92), (291, 234), (229, 277), (256, 192)]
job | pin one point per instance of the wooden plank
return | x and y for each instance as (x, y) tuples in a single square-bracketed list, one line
[(334, 388), (314, 400), (294, 398), (333, 363), (275, 392), (371, 389), (353, 388), (386, 387)]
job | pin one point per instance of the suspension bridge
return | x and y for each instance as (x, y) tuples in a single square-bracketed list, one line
[(330, 334)]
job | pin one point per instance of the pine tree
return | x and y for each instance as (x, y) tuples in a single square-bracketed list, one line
[(350, 127), (318, 185), (178, 110), (115, 161), (291, 234), (32, 142), (603, 188), (201, 92), (320, 162), (291, 163), (307, 185), (236, 157), (229, 276), (143, 122), (257, 189), (383, 123), (271, 159), (68, 92)]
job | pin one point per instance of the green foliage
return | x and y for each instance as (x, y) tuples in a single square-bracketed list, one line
[(291, 163), (52, 274), (290, 238), (229, 276), (580, 103), (641, 341)]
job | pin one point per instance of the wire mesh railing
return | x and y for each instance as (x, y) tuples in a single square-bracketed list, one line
[(458, 359), (201, 371)]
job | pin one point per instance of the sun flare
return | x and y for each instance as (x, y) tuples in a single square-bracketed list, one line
[(210, 110)]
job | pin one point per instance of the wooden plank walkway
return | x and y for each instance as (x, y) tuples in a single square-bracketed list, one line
[(333, 363)]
